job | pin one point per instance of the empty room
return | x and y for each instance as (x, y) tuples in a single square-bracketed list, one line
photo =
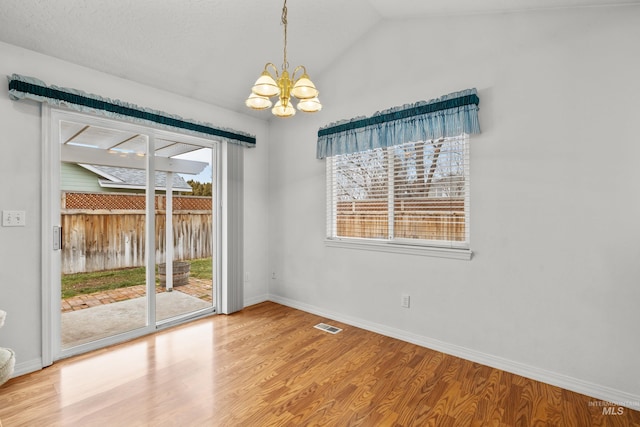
[(329, 213)]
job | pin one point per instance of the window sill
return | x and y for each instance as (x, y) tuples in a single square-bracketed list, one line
[(382, 246)]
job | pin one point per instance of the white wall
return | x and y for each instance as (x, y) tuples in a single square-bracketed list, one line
[(20, 178), (554, 285)]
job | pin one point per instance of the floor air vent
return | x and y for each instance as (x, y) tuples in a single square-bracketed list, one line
[(328, 328)]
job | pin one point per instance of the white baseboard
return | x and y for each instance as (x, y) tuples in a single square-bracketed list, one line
[(256, 300), (597, 391), (27, 367)]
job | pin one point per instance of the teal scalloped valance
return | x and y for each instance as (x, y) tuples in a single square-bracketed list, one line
[(447, 116), (23, 87)]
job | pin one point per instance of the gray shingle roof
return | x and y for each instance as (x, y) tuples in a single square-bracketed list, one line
[(136, 178)]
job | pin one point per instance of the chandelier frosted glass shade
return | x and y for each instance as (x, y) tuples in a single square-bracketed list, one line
[(258, 102), (304, 88), (310, 105), (283, 110), (265, 85)]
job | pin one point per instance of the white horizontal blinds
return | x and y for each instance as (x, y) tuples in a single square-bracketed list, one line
[(417, 191), (431, 197), (360, 195)]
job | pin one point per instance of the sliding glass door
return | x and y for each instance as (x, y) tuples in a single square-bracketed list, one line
[(185, 234), (102, 235), (134, 225)]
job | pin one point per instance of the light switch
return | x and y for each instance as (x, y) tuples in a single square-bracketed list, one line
[(13, 218)]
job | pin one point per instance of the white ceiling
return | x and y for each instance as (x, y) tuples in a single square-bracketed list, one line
[(213, 50)]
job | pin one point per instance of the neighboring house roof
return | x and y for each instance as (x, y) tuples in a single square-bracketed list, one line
[(114, 177)]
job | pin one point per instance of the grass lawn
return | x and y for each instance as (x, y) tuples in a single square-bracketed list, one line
[(201, 268), (86, 283)]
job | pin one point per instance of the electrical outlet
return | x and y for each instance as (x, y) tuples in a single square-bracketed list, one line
[(404, 302), (273, 275), (13, 218)]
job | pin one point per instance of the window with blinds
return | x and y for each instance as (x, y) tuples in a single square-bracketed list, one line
[(413, 193)]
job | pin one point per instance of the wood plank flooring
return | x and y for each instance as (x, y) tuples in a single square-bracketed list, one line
[(268, 366)]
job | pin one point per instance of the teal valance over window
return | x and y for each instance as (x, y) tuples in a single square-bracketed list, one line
[(448, 116), (23, 87)]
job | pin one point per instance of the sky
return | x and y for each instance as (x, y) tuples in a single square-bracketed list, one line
[(201, 155)]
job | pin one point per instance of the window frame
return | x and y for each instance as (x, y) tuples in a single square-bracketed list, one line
[(434, 248)]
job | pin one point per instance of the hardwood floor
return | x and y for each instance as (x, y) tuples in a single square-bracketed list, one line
[(268, 366)]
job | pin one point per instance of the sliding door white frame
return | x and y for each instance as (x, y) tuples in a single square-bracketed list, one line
[(51, 254)]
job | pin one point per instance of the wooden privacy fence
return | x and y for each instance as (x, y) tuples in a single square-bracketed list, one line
[(95, 238), (413, 218)]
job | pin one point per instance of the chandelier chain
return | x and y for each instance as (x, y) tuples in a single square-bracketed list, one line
[(285, 64)]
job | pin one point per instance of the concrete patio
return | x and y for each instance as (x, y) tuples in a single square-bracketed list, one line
[(90, 317)]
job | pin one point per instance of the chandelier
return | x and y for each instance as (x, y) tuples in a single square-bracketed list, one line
[(284, 85)]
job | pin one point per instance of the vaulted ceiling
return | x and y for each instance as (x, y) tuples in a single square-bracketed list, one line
[(213, 50)]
